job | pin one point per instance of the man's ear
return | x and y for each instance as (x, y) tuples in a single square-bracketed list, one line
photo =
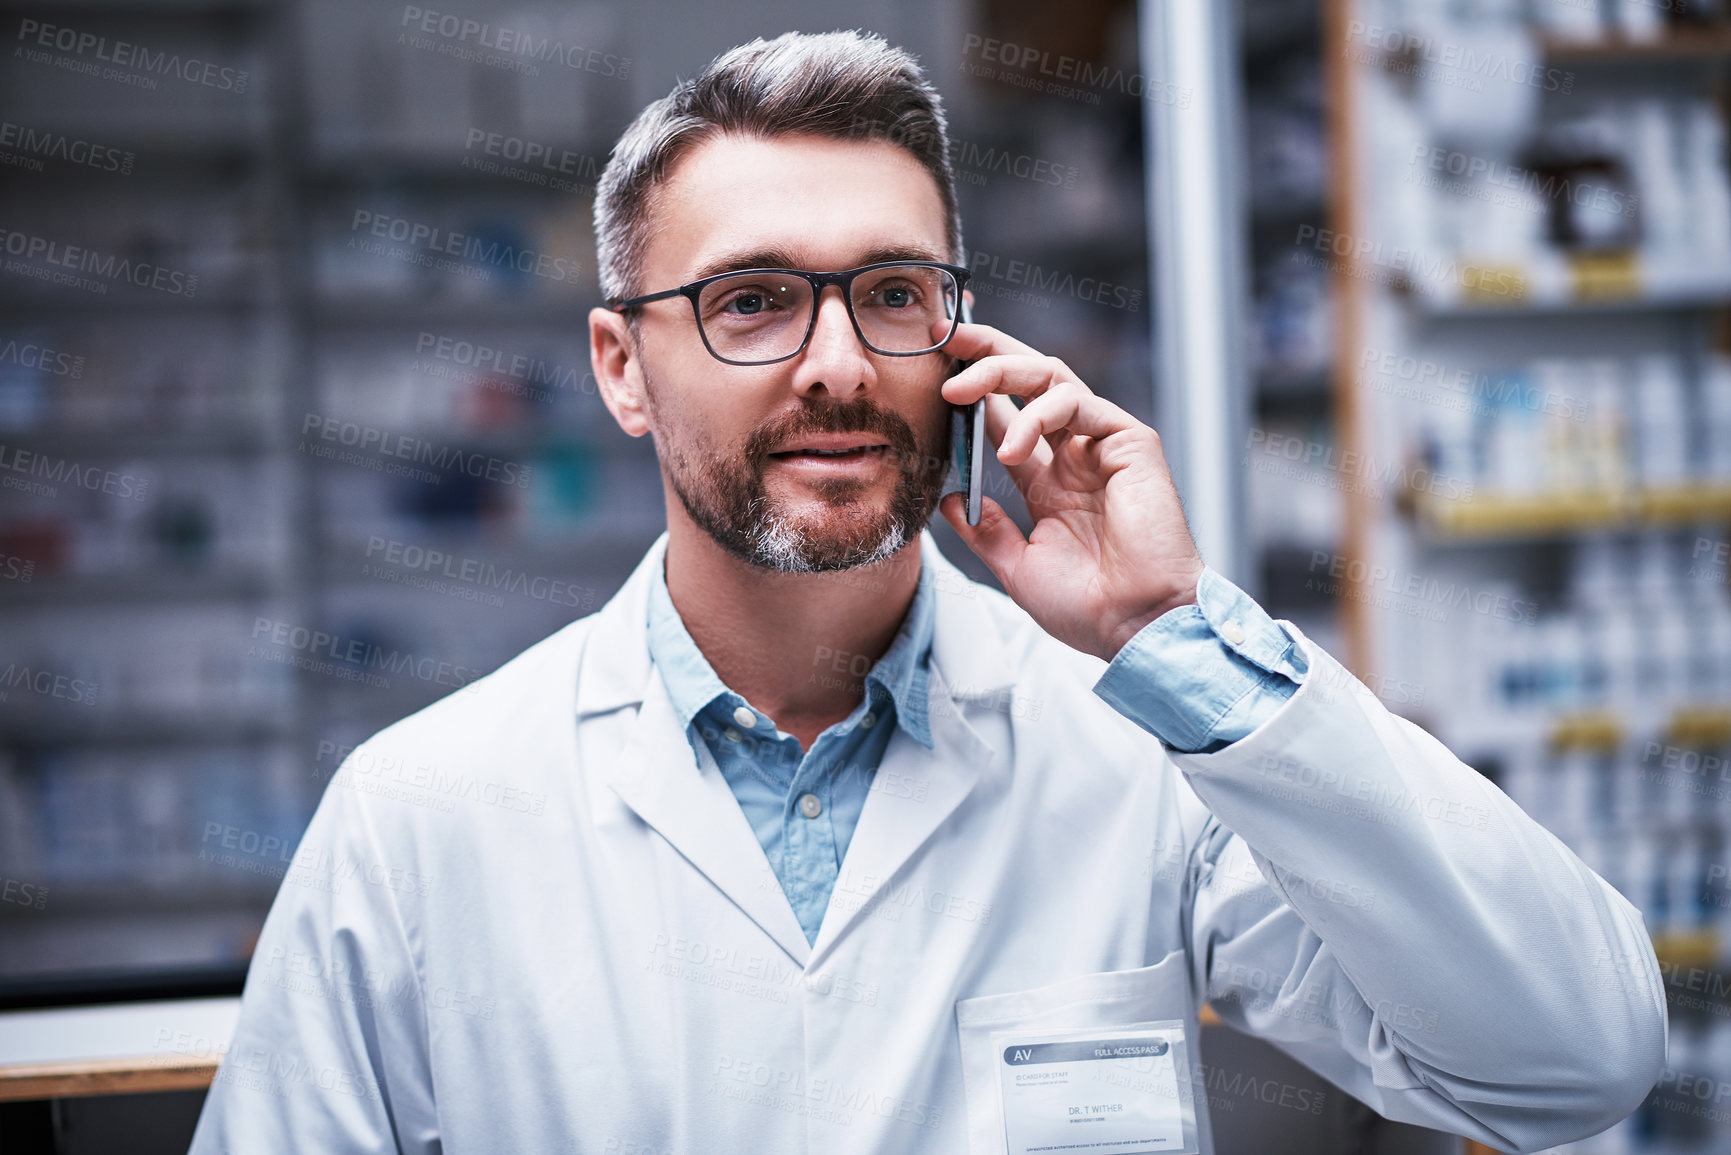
[(968, 296), (617, 372)]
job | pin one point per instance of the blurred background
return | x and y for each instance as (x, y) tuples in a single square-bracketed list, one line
[(298, 433)]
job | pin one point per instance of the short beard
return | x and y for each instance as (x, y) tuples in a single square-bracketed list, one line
[(727, 498), (775, 544)]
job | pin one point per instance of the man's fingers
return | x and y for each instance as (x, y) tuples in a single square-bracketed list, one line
[(997, 539), (1023, 375), (1068, 406), (971, 342), (1001, 414), (1059, 403)]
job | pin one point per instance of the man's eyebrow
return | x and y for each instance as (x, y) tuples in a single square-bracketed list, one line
[(779, 258)]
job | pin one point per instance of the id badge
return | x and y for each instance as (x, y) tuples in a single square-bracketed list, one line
[(1119, 1091)]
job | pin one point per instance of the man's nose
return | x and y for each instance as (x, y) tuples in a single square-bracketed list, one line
[(835, 361)]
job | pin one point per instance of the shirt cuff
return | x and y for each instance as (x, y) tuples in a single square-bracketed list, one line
[(1202, 676)]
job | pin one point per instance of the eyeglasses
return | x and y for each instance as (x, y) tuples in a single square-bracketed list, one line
[(761, 316)]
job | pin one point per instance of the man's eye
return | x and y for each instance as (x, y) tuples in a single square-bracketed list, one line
[(749, 303), (896, 296)]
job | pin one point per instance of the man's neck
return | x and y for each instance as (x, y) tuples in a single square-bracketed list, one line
[(796, 646)]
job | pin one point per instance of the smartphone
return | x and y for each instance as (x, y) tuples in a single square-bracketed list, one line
[(968, 441)]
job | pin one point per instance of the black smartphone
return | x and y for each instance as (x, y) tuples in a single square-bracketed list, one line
[(968, 441)]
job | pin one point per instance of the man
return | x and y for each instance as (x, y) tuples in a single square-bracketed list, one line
[(805, 842)]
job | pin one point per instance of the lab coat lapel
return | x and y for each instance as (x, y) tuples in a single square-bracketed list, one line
[(615, 661), (692, 807), (915, 790), (657, 774)]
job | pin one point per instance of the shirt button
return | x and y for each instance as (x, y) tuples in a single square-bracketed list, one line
[(732, 734), (867, 720), (744, 716), (1233, 633), (810, 806)]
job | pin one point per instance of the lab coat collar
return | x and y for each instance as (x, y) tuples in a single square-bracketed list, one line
[(966, 647), (690, 805)]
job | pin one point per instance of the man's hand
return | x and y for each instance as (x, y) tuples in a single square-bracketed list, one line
[(1110, 550)]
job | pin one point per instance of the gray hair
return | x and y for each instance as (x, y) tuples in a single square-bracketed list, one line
[(843, 85)]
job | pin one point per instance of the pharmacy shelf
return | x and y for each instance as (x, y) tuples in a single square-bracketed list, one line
[(444, 168), (1700, 727), (1585, 284), (211, 299), (519, 439), (164, 9), (1555, 514), (226, 140), (1287, 135), (70, 1052), (365, 710), (375, 312), (1509, 696), (1684, 950), (237, 439), (194, 887), (1706, 44), (141, 731), (560, 554), (112, 984), (1281, 389), (1598, 730), (1284, 215), (156, 585), (1696, 727)]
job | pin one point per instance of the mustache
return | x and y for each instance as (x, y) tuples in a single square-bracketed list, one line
[(862, 416)]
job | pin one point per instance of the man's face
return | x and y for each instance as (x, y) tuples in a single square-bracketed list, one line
[(734, 440)]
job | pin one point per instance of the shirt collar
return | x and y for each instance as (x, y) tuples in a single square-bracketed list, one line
[(903, 672)]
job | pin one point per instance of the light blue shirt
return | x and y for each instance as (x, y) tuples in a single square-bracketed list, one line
[(1199, 678)]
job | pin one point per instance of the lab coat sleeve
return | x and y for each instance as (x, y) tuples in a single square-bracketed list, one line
[(1385, 915), (330, 1053)]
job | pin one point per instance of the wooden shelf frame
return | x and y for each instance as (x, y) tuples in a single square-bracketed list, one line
[(138, 1076)]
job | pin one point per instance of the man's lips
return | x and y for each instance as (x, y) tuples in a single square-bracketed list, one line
[(843, 445), (833, 455)]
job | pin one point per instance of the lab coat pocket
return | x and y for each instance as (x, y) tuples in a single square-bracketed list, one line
[(1101, 1062)]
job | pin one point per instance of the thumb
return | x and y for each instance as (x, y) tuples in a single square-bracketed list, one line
[(997, 540)]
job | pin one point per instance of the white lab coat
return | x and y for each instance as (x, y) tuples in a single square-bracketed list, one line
[(528, 919)]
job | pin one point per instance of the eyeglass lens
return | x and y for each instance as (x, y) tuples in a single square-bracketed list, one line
[(758, 316)]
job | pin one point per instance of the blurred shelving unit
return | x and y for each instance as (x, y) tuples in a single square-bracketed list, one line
[(352, 452), (1292, 351), (535, 507), (1051, 191), (148, 345), (1532, 251)]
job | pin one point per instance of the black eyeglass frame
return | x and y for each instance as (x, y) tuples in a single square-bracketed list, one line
[(843, 279)]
